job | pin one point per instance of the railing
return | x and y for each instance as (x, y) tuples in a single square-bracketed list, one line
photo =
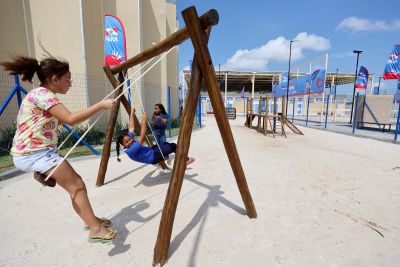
[(231, 113)]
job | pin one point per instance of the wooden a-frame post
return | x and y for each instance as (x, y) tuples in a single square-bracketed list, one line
[(198, 30), (202, 68)]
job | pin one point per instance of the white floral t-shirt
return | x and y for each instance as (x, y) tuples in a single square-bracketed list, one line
[(37, 129)]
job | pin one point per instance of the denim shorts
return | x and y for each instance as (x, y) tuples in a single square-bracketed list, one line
[(40, 161)]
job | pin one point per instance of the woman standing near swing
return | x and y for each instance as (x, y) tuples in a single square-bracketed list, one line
[(35, 142), (159, 122)]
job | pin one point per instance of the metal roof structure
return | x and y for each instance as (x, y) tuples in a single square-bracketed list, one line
[(263, 81)]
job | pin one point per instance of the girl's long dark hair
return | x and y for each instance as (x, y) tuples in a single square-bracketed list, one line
[(27, 67), (161, 107), (118, 143)]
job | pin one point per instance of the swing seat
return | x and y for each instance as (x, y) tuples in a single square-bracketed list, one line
[(41, 179)]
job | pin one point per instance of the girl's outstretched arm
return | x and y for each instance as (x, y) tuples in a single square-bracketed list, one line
[(63, 114), (143, 130), (131, 126)]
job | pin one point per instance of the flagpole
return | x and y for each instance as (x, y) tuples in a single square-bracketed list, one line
[(323, 94), (397, 99), (308, 98), (287, 88), (397, 124), (358, 52)]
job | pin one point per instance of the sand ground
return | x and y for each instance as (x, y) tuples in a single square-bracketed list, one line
[(323, 199)]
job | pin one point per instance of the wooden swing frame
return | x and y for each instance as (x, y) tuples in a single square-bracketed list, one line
[(198, 30)]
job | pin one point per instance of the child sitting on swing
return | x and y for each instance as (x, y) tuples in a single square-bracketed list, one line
[(143, 154)]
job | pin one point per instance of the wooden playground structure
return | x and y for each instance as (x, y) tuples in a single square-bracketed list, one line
[(264, 117), (198, 29)]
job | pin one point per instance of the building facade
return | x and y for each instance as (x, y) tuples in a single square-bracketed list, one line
[(73, 30)]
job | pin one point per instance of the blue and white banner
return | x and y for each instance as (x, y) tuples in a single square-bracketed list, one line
[(303, 85), (317, 81), (114, 41), (362, 78), (392, 67)]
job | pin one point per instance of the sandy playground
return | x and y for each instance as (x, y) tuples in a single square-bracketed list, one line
[(323, 199)]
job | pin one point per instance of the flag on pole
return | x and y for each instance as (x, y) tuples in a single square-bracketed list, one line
[(362, 78), (274, 90), (392, 67), (242, 93), (317, 81), (114, 41)]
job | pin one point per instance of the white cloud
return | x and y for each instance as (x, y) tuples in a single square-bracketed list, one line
[(355, 24), (257, 59)]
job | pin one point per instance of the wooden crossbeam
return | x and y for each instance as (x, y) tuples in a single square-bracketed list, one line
[(208, 19)]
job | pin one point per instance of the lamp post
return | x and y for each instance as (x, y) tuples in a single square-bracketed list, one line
[(358, 52), (379, 83), (288, 78)]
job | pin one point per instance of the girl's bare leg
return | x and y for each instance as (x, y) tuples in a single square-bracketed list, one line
[(68, 179)]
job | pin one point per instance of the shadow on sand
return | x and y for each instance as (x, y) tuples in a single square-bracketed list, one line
[(132, 213)]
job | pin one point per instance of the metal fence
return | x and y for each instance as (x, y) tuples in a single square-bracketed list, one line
[(335, 115)]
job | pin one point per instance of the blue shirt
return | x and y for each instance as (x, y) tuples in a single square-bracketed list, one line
[(140, 153), (159, 125)]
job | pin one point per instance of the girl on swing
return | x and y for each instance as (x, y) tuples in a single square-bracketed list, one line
[(34, 146), (143, 154)]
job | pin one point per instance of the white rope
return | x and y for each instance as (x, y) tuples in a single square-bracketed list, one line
[(126, 80), (144, 65), (65, 140), (148, 123), (135, 81), (86, 132)]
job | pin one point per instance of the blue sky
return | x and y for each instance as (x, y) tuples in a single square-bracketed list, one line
[(254, 35)]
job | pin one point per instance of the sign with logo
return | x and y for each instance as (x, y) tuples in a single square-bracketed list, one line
[(114, 41)]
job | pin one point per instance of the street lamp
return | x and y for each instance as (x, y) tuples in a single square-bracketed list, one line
[(358, 52), (379, 83), (288, 78)]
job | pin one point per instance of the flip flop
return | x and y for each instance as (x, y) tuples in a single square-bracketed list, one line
[(190, 161), (105, 222), (105, 239), (41, 179)]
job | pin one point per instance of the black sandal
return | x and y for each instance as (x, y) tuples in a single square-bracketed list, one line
[(41, 179)]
